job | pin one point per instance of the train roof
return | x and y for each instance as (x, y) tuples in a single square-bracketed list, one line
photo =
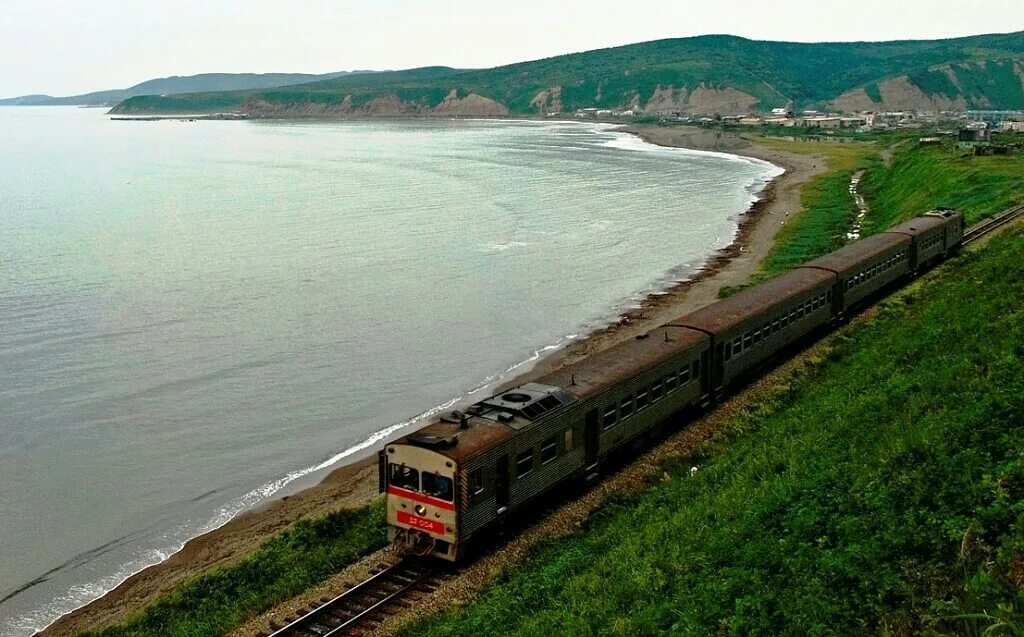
[(727, 313), (460, 436), (450, 439), (857, 252), (597, 372), (917, 225)]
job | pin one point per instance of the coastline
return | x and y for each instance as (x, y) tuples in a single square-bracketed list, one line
[(355, 484)]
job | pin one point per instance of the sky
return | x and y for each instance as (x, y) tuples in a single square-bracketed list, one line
[(66, 47)]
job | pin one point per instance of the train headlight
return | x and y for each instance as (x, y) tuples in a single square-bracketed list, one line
[(421, 510)]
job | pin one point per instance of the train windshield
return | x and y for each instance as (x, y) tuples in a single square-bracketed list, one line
[(403, 477), (437, 486)]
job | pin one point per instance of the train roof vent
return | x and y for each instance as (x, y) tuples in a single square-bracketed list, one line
[(433, 442), (531, 401)]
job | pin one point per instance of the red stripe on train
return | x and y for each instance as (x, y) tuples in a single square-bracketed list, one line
[(419, 497)]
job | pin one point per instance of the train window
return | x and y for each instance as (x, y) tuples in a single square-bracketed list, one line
[(567, 440), (695, 367), (626, 408), (476, 482), (656, 390), (548, 450), (737, 346), (684, 376), (524, 463), (748, 340), (610, 413), (438, 486), (670, 380), (756, 338), (403, 477), (641, 400)]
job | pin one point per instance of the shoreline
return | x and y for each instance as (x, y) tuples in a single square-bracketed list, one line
[(355, 483)]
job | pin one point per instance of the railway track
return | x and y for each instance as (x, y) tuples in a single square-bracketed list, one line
[(361, 608), (983, 228)]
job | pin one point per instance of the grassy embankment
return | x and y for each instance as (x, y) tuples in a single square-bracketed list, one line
[(923, 178), (878, 490), (216, 602), (916, 180)]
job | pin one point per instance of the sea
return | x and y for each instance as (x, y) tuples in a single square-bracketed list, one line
[(196, 316)]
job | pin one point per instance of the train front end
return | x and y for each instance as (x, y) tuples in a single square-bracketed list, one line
[(421, 500)]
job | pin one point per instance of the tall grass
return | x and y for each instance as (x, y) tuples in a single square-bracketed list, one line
[(922, 178), (880, 492)]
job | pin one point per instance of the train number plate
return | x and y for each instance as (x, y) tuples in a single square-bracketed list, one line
[(430, 526)]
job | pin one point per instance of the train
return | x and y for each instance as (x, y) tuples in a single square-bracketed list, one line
[(467, 472)]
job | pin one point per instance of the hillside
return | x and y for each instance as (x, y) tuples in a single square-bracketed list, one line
[(698, 75), (177, 84)]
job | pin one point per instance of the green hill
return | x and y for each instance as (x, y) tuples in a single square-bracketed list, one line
[(176, 84), (698, 75)]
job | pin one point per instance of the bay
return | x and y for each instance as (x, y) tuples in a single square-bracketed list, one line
[(195, 314)]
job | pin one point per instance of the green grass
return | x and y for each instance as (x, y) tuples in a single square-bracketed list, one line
[(218, 601), (918, 179), (827, 207), (923, 178), (879, 491)]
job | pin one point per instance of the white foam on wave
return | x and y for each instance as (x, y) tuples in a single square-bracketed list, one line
[(631, 142), (502, 247)]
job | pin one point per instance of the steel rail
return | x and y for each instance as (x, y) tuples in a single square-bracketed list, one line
[(985, 227), (363, 600)]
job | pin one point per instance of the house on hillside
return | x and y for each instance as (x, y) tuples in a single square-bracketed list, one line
[(971, 137)]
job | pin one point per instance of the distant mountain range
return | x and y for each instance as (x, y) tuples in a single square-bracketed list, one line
[(699, 75), (174, 85)]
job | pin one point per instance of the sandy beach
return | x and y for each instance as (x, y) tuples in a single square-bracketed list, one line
[(356, 483)]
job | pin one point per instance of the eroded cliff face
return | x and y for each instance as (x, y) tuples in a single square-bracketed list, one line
[(898, 94), (700, 101), (472, 105), (548, 101)]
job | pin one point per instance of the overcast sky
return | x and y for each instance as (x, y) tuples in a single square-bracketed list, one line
[(64, 47)]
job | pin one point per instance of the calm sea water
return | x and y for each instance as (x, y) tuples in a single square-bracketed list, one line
[(193, 315)]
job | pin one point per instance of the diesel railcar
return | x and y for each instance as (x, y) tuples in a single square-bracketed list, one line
[(452, 480)]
